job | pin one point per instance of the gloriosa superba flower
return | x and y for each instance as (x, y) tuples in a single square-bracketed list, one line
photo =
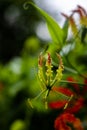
[(47, 80), (46, 76), (81, 26)]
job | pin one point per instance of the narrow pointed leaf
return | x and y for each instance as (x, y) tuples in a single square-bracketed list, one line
[(54, 29), (65, 29)]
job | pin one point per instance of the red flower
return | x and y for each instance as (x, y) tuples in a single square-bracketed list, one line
[(57, 104), (61, 122)]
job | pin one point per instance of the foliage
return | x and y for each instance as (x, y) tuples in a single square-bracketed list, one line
[(57, 80)]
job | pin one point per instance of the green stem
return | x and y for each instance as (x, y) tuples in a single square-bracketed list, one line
[(63, 81)]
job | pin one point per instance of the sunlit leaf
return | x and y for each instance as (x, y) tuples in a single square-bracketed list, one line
[(54, 29)]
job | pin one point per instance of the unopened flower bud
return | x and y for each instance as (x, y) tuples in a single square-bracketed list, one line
[(40, 60)]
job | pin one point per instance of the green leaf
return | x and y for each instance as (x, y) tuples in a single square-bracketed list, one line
[(54, 29), (65, 29)]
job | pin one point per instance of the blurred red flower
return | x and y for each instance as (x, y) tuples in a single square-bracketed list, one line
[(66, 121)]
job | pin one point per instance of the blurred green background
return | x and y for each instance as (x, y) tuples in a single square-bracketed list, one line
[(19, 50)]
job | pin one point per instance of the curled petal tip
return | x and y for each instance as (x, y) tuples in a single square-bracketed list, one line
[(66, 16)]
